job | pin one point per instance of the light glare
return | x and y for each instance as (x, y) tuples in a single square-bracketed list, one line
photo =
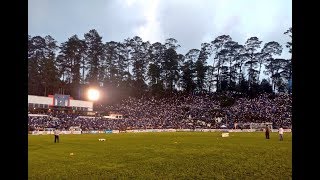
[(93, 94)]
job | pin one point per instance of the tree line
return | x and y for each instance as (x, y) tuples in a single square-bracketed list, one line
[(135, 67)]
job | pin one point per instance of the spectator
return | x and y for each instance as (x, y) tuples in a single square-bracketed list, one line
[(267, 132), (281, 133), (56, 135)]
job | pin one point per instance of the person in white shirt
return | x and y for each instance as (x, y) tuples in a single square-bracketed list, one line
[(281, 133), (56, 135)]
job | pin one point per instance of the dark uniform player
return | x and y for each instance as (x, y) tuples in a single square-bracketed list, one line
[(267, 132)]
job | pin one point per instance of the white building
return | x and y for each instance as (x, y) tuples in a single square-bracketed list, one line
[(58, 101)]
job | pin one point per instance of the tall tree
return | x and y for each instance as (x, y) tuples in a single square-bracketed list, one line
[(209, 81), (94, 53), (36, 46), (126, 51), (153, 74), (172, 43), (187, 81), (218, 45), (274, 68), (139, 60), (70, 60), (50, 75), (240, 59), (42, 73), (109, 67), (201, 65), (289, 44), (154, 71), (288, 67), (287, 73), (268, 51), (252, 45), (170, 67), (265, 86), (232, 56), (123, 62)]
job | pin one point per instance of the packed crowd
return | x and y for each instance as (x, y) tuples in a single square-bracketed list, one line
[(277, 110), (179, 112)]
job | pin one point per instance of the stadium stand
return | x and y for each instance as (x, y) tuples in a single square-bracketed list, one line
[(178, 112)]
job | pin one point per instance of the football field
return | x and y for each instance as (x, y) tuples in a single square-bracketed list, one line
[(162, 155)]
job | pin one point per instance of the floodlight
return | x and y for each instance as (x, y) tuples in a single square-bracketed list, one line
[(93, 94)]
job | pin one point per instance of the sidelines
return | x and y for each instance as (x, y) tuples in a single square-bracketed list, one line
[(51, 132), (154, 130)]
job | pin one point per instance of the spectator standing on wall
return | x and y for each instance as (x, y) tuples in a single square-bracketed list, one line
[(281, 133), (56, 135), (267, 132)]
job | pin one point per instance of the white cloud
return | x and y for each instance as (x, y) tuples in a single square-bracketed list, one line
[(190, 22), (151, 30)]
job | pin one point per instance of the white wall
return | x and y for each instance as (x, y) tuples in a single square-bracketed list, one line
[(78, 103), (49, 101), (40, 99)]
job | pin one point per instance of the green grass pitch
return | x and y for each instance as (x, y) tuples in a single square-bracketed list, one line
[(165, 155)]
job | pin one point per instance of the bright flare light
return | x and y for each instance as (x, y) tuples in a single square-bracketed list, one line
[(93, 94)]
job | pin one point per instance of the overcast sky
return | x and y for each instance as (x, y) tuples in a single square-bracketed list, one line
[(191, 22)]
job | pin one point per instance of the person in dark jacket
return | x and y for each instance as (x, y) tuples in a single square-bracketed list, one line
[(267, 132)]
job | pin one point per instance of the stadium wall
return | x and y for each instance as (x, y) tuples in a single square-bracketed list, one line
[(40, 100), (84, 104), (46, 102), (52, 132), (153, 130)]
